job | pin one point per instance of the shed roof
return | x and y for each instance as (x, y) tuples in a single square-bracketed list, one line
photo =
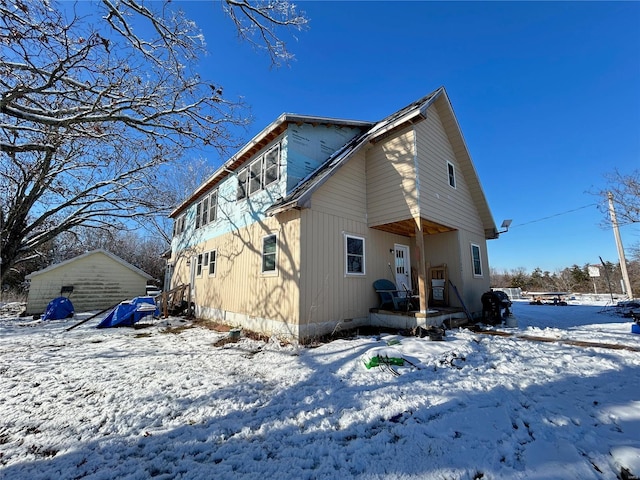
[(87, 254)]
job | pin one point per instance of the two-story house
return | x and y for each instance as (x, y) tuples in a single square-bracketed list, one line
[(287, 237)]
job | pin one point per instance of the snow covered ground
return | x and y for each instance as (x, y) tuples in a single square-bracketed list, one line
[(170, 404)]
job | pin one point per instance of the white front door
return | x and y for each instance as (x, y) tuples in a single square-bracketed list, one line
[(402, 268)]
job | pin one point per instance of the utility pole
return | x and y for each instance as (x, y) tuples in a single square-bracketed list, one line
[(616, 233)]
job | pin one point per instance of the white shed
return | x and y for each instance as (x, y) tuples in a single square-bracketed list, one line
[(93, 281)]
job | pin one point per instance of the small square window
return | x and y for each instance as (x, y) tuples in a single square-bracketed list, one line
[(354, 254), (269, 250), (477, 262), (452, 174)]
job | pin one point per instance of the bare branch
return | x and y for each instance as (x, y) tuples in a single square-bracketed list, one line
[(94, 106), (258, 20)]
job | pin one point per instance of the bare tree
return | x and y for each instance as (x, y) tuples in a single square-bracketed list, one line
[(91, 109), (626, 195)]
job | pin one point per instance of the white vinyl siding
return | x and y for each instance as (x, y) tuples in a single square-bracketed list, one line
[(440, 202), (391, 180)]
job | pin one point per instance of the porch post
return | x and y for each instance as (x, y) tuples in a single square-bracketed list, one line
[(422, 267)]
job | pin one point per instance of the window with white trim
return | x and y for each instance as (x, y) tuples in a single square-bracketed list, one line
[(207, 209), (213, 206), (271, 165), (261, 172), (178, 225), (212, 263), (255, 176), (242, 184), (269, 251), (476, 260), (451, 170), (199, 266), (354, 255)]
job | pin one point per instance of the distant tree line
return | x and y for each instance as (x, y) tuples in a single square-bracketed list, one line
[(574, 279), (625, 189)]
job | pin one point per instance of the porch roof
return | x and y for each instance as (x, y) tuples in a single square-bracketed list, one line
[(407, 227)]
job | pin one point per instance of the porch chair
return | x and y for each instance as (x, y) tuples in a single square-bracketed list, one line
[(389, 295)]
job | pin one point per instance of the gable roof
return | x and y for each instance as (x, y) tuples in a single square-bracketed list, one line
[(257, 143), (87, 254), (412, 113), (301, 194)]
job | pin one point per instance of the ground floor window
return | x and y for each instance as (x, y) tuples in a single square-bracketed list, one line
[(212, 263), (269, 250), (477, 262), (354, 255), (199, 265)]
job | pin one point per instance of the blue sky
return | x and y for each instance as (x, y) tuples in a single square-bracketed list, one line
[(547, 95)]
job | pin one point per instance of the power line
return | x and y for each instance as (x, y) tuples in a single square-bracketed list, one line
[(555, 215)]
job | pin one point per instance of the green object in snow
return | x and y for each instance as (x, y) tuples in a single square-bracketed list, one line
[(378, 360)]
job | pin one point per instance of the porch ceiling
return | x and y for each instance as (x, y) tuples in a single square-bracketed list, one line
[(407, 227)]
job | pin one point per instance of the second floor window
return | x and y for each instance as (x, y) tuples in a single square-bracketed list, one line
[(242, 184), (255, 176), (178, 226), (452, 174), (260, 173), (207, 209), (271, 165), (213, 206)]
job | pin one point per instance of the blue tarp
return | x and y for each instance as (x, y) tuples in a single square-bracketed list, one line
[(128, 313), (58, 308)]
